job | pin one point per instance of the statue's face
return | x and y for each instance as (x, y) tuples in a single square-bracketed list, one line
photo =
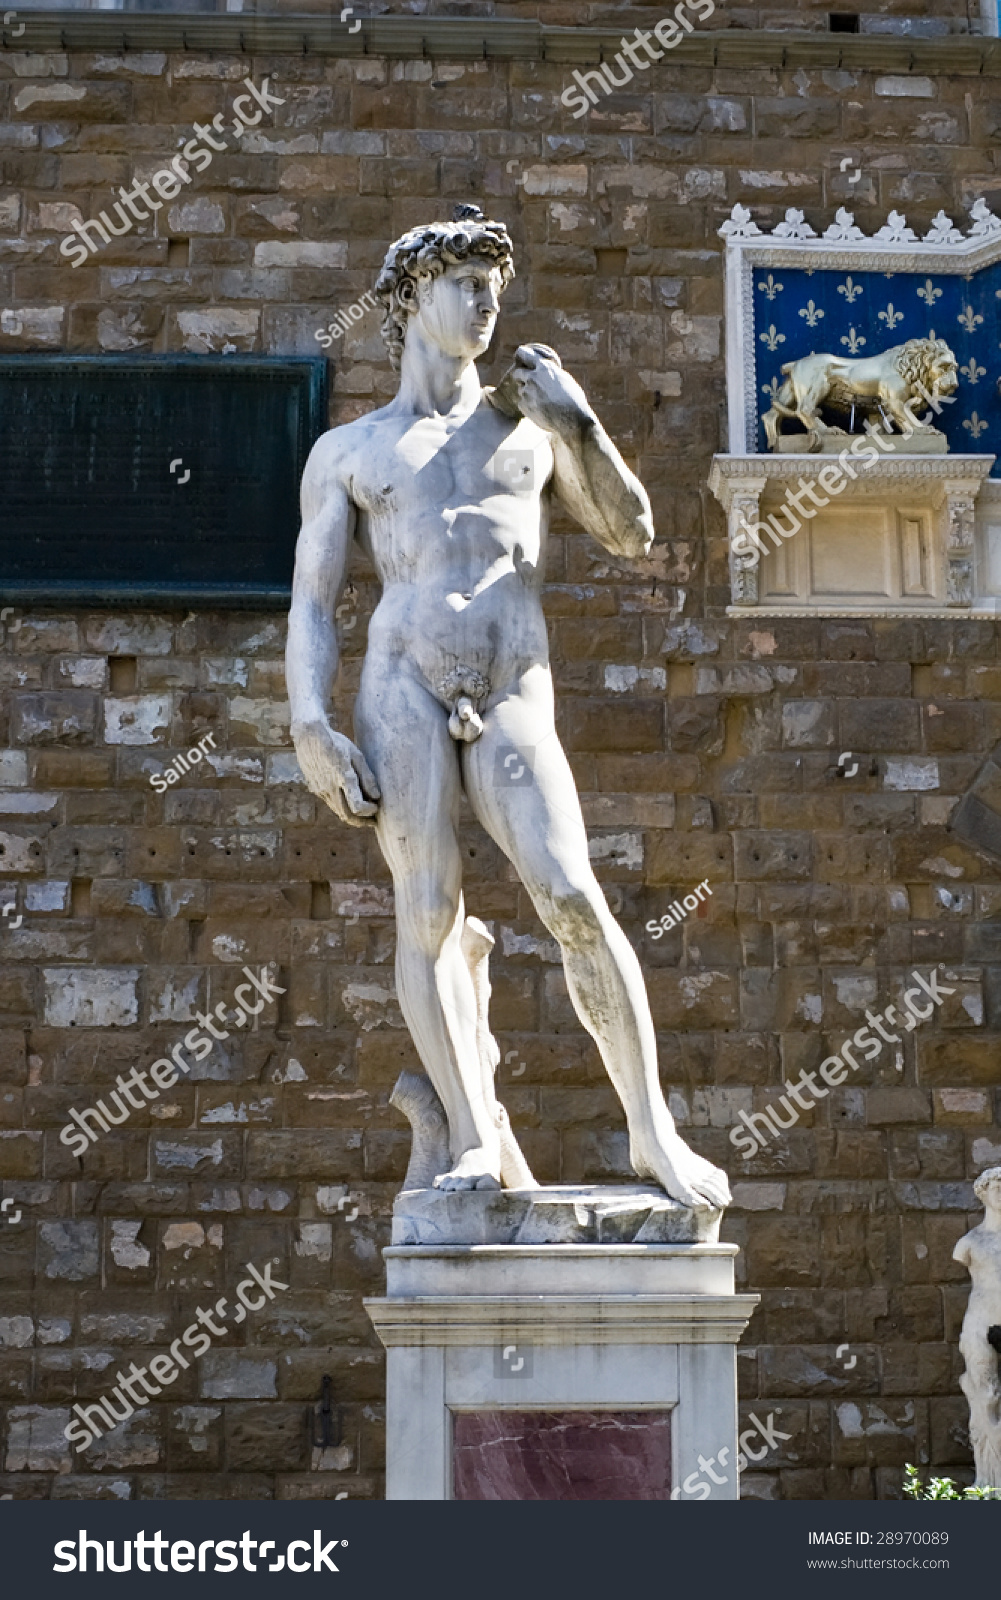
[(458, 310), (945, 378)]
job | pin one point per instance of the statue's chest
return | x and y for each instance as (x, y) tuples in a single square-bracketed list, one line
[(430, 467)]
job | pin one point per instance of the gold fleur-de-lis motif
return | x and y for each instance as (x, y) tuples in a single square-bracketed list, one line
[(853, 340), (771, 389), (772, 338), (812, 314), (969, 318), (850, 290), (929, 293), (891, 317), (975, 425), (971, 372), (770, 287)]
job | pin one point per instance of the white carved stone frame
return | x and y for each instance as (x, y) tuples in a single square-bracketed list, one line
[(948, 485), (793, 243)]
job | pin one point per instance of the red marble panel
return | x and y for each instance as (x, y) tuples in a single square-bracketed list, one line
[(562, 1455)]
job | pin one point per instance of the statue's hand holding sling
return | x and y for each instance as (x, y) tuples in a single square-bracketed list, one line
[(537, 386)]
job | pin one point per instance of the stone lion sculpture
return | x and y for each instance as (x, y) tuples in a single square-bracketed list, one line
[(886, 384)]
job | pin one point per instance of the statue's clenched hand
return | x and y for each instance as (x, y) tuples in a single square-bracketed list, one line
[(546, 394), (337, 772)]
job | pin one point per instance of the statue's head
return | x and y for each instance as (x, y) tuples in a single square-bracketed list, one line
[(931, 363), (987, 1187), (942, 368), (450, 275)]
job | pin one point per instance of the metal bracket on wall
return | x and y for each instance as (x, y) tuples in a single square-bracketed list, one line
[(324, 1418)]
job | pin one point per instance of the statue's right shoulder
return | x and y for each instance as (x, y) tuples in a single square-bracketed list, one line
[(336, 451)]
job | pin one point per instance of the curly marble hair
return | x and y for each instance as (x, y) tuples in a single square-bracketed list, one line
[(925, 361), (983, 1183), (425, 253)]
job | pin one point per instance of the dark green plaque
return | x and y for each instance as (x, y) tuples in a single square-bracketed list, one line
[(90, 510)]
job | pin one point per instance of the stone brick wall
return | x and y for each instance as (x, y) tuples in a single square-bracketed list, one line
[(908, 18), (704, 748)]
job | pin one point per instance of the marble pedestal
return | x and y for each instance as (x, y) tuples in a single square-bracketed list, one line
[(559, 1344)]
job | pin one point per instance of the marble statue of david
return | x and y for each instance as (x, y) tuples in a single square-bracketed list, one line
[(447, 489), (980, 1337)]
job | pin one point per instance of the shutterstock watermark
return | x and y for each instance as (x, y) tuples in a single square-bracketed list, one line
[(95, 1120), (747, 541), (343, 319), (72, 1554), (669, 32), (167, 182), (100, 1416), (10, 910), (678, 911), (766, 1125), (9, 627), (181, 764), (700, 1488)]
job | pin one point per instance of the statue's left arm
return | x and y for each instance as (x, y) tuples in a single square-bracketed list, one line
[(589, 475)]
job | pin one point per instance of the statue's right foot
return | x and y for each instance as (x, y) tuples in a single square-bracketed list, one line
[(681, 1171), (477, 1169)]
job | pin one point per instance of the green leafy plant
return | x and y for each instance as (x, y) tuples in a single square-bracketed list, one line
[(942, 1488)]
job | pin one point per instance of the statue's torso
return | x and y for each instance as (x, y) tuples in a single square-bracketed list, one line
[(983, 1247), (454, 519)]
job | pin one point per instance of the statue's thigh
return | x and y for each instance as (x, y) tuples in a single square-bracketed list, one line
[(403, 732), (522, 790)]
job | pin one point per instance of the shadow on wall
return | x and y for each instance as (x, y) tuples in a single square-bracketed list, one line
[(977, 818)]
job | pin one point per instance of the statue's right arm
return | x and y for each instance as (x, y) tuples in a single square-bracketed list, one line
[(333, 767), (321, 557)]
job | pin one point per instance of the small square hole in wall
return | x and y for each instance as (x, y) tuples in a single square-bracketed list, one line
[(319, 902), (122, 674), (844, 21), (177, 252), (611, 263)]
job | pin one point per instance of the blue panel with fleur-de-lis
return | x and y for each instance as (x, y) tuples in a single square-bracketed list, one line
[(798, 312)]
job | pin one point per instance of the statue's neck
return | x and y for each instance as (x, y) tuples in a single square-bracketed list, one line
[(433, 384)]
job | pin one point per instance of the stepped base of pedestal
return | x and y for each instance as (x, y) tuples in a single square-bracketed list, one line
[(633, 1213), (560, 1370)]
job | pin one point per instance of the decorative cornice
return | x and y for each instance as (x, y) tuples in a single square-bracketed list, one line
[(893, 248), (501, 38), (733, 474), (899, 613), (900, 464), (562, 1319)]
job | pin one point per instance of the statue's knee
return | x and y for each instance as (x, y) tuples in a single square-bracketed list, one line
[(426, 914), (573, 917)]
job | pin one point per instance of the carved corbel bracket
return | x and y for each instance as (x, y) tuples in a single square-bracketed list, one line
[(960, 534), (743, 513), (742, 505)]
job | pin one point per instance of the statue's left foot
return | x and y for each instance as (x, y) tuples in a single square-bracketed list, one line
[(476, 1169), (685, 1175)]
